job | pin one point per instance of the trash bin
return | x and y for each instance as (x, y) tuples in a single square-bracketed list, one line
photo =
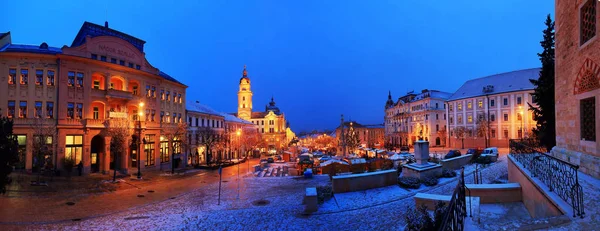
[(308, 173)]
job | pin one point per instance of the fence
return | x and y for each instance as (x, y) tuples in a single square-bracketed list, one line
[(561, 177), (454, 217)]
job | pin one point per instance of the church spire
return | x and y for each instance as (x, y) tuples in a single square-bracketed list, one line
[(244, 73), (389, 94)]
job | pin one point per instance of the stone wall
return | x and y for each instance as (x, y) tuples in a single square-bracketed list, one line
[(496, 193), (572, 60), (456, 162), (364, 181)]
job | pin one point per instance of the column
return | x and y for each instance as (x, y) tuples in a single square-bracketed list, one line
[(105, 156), (85, 156)]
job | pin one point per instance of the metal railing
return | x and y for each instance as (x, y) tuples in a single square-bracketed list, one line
[(454, 217), (561, 177)]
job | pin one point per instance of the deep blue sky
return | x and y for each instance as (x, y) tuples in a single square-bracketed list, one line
[(318, 58)]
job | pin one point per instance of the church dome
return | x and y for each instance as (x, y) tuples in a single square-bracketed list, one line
[(244, 75), (272, 107)]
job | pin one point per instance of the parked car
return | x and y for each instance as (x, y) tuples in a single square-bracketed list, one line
[(404, 149), (270, 160), (476, 152), (324, 158), (491, 151), (452, 154)]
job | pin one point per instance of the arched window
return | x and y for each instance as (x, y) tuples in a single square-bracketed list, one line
[(243, 98), (243, 105)]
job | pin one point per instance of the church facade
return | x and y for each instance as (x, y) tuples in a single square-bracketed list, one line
[(270, 123)]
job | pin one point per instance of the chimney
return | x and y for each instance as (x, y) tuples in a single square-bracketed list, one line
[(106, 24)]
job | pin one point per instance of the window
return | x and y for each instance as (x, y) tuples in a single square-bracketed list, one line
[(79, 111), (176, 146), (262, 130), (243, 98), (519, 117), (587, 20), (23, 109), (505, 133), (168, 117), (437, 127), (492, 103), (519, 100), (202, 122), (113, 60), (122, 62), (587, 109), (505, 117), (147, 90), (11, 109), (164, 150), (50, 78), (175, 118), (162, 95), (451, 120), (38, 109), (459, 119), (12, 76), (174, 97), (492, 117), (451, 108), (94, 56), (96, 84), (149, 150), (505, 101), (103, 58), (262, 122), (39, 77), (153, 92), (196, 121), (437, 116), (444, 116), (480, 104), (79, 79), (74, 148), (168, 95), (70, 110), (459, 107), (469, 105), (520, 133), (179, 97), (162, 116), (96, 113), (493, 131), (135, 90), (152, 116), (137, 67), (271, 130), (130, 65), (49, 110), (71, 80), (470, 119), (24, 76)]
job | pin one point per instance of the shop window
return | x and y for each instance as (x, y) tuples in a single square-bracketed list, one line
[(149, 149), (587, 21), (587, 111), (12, 76), (74, 148), (164, 150)]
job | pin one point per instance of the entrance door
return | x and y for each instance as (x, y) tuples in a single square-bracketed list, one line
[(133, 158), (94, 162), (133, 151), (96, 148)]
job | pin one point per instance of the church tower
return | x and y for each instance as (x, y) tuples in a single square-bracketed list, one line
[(244, 97)]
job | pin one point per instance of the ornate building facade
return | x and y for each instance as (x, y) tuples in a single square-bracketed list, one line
[(271, 122), (104, 74), (489, 111), (416, 116), (577, 84)]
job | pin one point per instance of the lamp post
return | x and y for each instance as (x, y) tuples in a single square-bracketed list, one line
[(522, 122), (139, 168)]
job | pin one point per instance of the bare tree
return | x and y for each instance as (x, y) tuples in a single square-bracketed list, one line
[(252, 139), (44, 138), (177, 134), (460, 133), (443, 134), (209, 138), (483, 127), (119, 129)]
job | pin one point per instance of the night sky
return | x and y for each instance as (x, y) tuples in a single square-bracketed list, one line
[(319, 59)]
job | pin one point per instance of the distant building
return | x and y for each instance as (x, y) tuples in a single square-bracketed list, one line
[(102, 75), (370, 136), (416, 116), (270, 122), (577, 84), (201, 117), (501, 100)]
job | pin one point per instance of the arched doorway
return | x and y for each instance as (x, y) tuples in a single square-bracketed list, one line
[(437, 141), (96, 150)]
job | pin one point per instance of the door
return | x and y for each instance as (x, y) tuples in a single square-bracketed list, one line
[(94, 162)]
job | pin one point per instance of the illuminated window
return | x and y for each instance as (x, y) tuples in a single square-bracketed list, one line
[(50, 78), (162, 95), (168, 95), (148, 92), (149, 149), (49, 110), (23, 109), (164, 150), (79, 79), (587, 21), (480, 104), (39, 77), (470, 119), (12, 76), (74, 148), (459, 107), (469, 105), (179, 97), (134, 90), (70, 110), (71, 78), (152, 115), (38, 109), (96, 113), (24, 76), (519, 117), (11, 109)]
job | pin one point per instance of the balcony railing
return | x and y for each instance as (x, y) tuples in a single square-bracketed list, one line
[(97, 123), (455, 214), (561, 177), (112, 93)]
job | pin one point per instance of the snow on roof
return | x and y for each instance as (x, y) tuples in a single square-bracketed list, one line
[(501, 83), (333, 161), (200, 108), (231, 118)]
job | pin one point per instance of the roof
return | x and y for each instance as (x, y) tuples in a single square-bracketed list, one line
[(259, 114), (500, 83), (232, 118), (374, 126), (200, 108), (168, 77), (40, 49), (4, 34), (95, 30)]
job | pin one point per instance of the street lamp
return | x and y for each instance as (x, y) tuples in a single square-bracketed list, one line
[(139, 173)]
